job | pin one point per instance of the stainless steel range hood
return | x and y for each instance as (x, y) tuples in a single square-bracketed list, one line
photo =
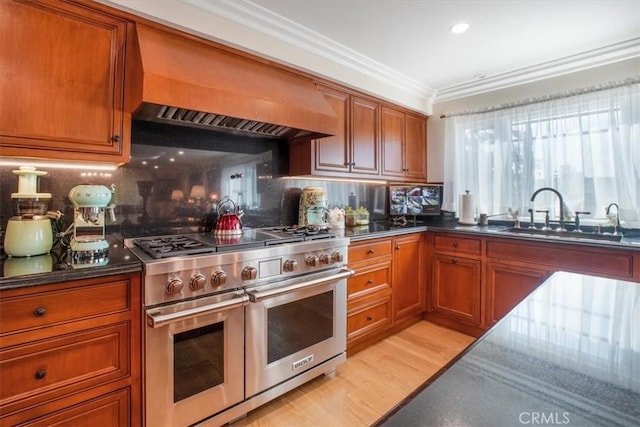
[(184, 80)]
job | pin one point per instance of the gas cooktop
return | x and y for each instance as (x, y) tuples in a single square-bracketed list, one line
[(158, 247)]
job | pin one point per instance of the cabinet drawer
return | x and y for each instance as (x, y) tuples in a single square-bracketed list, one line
[(368, 317), (62, 365), (369, 250), (368, 280), (50, 308), (107, 410), (465, 245)]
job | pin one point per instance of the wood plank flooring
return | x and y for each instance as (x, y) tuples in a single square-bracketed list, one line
[(368, 384)]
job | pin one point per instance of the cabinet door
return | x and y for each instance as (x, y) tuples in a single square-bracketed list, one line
[(392, 142), (61, 82), (364, 137), (456, 287), (332, 152), (415, 147), (408, 277), (507, 285)]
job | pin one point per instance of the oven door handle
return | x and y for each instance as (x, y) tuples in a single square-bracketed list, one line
[(155, 320), (257, 296)]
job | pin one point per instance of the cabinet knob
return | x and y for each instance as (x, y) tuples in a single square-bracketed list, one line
[(370, 251), (40, 311), (455, 244), (40, 374), (115, 138), (397, 248), (369, 318), (369, 282), (454, 261)]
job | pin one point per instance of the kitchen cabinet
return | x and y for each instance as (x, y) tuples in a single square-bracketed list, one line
[(403, 146), (72, 351), (507, 285), (62, 82), (477, 280), (387, 291), (409, 284), (354, 149), (369, 292), (455, 287)]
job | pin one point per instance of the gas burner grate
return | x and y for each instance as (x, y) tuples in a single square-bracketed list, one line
[(168, 246), (307, 232)]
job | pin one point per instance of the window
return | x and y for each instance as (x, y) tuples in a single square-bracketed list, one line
[(586, 146)]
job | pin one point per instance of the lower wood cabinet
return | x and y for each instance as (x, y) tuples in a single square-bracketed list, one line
[(507, 285), (70, 353), (476, 280), (387, 291), (408, 276), (455, 287)]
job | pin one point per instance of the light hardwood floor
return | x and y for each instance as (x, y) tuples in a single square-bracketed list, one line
[(368, 384)]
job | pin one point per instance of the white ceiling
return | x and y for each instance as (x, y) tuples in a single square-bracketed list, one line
[(406, 43)]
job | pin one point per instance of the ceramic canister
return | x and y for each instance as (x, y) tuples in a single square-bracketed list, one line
[(313, 206)]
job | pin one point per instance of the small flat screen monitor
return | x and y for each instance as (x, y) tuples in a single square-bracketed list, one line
[(418, 200)]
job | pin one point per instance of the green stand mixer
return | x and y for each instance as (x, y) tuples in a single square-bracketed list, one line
[(90, 204)]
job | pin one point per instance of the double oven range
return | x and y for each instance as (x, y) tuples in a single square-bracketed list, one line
[(233, 322)]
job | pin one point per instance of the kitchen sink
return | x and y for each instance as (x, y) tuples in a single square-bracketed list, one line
[(566, 234)]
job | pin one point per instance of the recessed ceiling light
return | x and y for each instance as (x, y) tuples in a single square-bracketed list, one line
[(459, 28)]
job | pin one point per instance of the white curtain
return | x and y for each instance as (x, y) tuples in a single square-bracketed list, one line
[(586, 145)]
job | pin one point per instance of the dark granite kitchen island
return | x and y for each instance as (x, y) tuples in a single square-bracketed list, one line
[(569, 354)]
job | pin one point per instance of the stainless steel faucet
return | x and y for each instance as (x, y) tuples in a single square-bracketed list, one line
[(553, 190), (617, 230)]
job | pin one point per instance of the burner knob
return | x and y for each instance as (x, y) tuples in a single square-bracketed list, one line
[(219, 278), (197, 281), (324, 258), (249, 273), (312, 260), (337, 257), (290, 265), (174, 286)]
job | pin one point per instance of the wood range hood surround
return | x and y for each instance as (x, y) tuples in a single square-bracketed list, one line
[(187, 81)]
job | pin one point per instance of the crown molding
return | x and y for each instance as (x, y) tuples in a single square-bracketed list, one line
[(257, 18), (616, 52)]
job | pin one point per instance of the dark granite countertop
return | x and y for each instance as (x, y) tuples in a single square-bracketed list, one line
[(568, 354), (57, 266), (379, 229)]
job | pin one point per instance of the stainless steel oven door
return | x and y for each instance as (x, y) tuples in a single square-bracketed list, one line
[(193, 353), (294, 326)]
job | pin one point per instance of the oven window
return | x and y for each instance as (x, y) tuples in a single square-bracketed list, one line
[(298, 325), (198, 360)]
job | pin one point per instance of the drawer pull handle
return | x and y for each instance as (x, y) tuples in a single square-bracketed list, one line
[(369, 318), (455, 244), (40, 374), (370, 251), (40, 311), (369, 282)]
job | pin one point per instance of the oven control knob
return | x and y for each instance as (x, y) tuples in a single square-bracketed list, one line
[(219, 278), (174, 286), (290, 265), (312, 261), (337, 257), (197, 281), (324, 258), (249, 273)]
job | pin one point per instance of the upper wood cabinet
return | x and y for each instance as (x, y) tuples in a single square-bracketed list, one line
[(355, 148), (62, 82), (403, 146)]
